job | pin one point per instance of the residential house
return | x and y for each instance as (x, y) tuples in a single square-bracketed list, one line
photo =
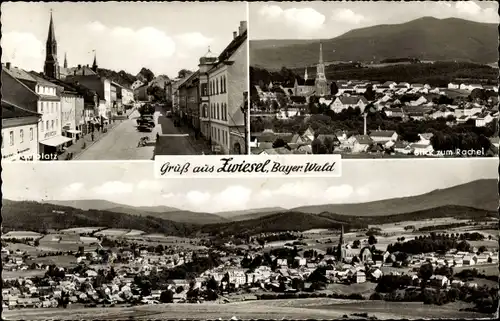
[(425, 138), (360, 277), (359, 143), (228, 83), (236, 277), (453, 86), (141, 93), (344, 102), (138, 83), (468, 260), (420, 101), (483, 119), (189, 100), (403, 148), (383, 135), (439, 281)]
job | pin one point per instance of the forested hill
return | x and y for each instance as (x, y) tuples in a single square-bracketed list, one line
[(426, 38)]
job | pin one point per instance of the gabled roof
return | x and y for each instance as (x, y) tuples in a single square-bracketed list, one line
[(19, 74), (10, 110), (351, 100), (308, 82), (382, 133), (231, 48), (363, 139), (16, 92)]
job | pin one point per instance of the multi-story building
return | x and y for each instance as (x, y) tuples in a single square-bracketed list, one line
[(228, 81), (189, 99), (48, 105), (127, 96), (206, 63), (19, 133)]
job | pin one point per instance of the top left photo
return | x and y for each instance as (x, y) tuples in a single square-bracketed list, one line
[(123, 80)]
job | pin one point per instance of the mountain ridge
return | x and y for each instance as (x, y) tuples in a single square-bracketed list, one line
[(425, 38)]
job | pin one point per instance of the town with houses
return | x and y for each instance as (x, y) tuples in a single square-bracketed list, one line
[(113, 267), (78, 112), (363, 118)]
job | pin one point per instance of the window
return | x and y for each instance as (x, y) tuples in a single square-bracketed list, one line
[(21, 135), (218, 112), (31, 134), (216, 87), (11, 136), (204, 89), (52, 124), (47, 125), (225, 90)]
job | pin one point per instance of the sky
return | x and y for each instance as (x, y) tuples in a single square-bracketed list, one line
[(164, 37), (133, 183), (329, 19)]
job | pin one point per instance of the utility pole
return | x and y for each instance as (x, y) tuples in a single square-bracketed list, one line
[(244, 109)]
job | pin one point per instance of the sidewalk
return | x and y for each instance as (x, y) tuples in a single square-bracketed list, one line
[(201, 144), (77, 147)]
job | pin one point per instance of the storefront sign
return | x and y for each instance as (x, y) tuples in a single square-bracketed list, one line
[(50, 134)]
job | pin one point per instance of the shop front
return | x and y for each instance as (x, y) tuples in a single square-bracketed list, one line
[(51, 147)]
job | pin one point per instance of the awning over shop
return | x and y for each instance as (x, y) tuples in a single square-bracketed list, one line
[(74, 131), (55, 141)]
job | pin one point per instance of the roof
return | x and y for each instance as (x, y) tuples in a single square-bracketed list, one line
[(278, 151), (10, 110), (303, 82), (363, 139), (17, 93), (382, 133), (19, 74), (82, 71), (231, 48)]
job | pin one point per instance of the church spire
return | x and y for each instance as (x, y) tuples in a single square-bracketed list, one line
[(51, 66), (94, 64), (51, 37), (65, 61), (320, 52)]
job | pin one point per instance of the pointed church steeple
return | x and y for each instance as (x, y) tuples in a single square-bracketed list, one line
[(320, 81), (65, 61), (94, 64), (51, 66)]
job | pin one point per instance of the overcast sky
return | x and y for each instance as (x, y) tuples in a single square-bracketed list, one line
[(164, 37), (133, 183), (328, 19)]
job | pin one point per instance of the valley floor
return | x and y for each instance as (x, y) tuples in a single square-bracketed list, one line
[(317, 308)]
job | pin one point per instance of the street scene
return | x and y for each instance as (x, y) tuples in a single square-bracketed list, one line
[(131, 90), (119, 244), (374, 79)]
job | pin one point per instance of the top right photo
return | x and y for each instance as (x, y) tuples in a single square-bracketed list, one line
[(374, 79)]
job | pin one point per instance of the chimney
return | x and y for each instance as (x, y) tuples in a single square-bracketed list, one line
[(235, 34), (243, 27), (7, 65)]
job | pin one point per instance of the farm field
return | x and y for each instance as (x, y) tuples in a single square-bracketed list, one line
[(59, 260), (273, 309), (21, 235), (116, 232), (81, 230), (6, 275)]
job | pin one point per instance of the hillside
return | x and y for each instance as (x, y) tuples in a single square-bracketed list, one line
[(162, 212), (285, 221), (34, 216), (425, 38), (480, 194), (247, 214)]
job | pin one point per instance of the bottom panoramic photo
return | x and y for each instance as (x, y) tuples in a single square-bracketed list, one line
[(390, 239)]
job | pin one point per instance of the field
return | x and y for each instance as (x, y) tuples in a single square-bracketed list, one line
[(82, 230), (59, 260), (273, 309), (6, 275), (21, 235), (116, 232)]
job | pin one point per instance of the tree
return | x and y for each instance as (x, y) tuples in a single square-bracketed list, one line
[(356, 244), (184, 73), (369, 93), (372, 240), (279, 143), (147, 74), (426, 271), (167, 296), (333, 88), (212, 284)]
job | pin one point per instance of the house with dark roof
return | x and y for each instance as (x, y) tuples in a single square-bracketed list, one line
[(383, 135), (344, 102), (304, 87)]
